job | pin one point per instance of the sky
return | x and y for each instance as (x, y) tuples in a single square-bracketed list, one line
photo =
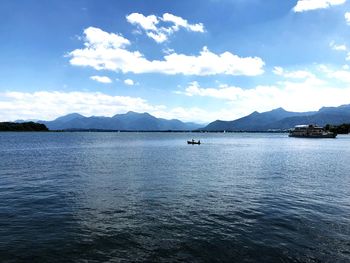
[(193, 60)]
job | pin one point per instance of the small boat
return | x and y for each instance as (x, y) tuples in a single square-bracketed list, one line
[(311, 131), (194, 142)]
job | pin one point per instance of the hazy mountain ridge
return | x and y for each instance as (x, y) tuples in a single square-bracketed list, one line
[(281, 119), (130, 121), (277, 119)]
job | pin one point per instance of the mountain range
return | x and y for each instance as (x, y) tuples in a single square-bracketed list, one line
[(280, 119), (130, 121), (277, 119)]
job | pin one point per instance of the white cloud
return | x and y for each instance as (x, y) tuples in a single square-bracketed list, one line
[(309, 94), (180, 22), (307, 5), (145, 22), (107, 54), (168, 51), (101, 79), (48, 105), (340, 75), (159, 37), (347, 17), (161, 33), (95, 37), (195, 114), (335, 74), (129, 82), (223, 92), (337, 47), (298, 74), (278, 71)]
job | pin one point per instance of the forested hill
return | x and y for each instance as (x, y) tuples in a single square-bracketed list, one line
[(24, 126)]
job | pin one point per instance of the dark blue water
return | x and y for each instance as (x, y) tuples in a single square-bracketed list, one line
[(136, 197)]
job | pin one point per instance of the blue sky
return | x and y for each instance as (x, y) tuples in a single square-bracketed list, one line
[(194, 60)]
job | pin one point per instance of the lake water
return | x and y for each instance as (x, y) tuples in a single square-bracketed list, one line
[(132, 197)]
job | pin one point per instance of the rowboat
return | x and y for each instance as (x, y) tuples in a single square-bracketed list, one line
[(194, 142)]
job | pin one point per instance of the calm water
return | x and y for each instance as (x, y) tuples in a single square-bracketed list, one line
[(121, 197)]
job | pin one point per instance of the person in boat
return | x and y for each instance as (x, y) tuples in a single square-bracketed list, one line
[(192, 141)]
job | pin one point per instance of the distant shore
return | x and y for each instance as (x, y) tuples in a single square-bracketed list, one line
[(38, 127), (164, 131)]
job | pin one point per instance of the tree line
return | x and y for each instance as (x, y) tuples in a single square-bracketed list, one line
[(339, 129), (24, 126)]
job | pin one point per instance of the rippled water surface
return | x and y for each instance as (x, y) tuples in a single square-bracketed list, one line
[(129, 197)]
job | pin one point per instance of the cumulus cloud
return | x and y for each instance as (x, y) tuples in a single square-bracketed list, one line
[(95, 37), (310, 93), (145, 22), (307, 5), (109, 52), (150, 24), (48, 105), (225, 93), (297, 74), (45, 105), (159, 37), (342, 47), (347, 17), (340, 75), (337, 47), (101, 79), (129, 82), (179, 22), (294, 94)]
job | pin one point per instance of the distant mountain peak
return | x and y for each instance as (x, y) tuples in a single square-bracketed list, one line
[(69, 117), (254, 113), (280, 109), (74, 114), (132, 113), (129, 113)]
